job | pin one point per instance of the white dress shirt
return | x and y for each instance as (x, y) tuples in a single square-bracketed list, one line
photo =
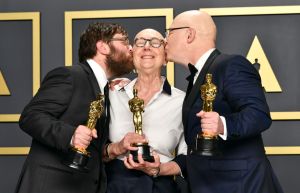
[(161, 119), (199, 65), (99, 74)]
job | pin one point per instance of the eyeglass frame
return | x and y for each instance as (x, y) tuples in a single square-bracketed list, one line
[(169, 30), (124, 39), (162, 42)]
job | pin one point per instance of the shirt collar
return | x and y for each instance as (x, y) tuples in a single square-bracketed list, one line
[(166, 87), (201, 61), (99, 73)]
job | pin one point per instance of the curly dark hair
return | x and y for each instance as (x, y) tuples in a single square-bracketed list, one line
[(95, 32)]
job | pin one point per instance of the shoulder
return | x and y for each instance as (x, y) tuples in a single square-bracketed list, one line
[(58, 73), (67, 71), (236, 68), (233, 59), (64, 75), (177, 93), (118, 95), (234, 63), (171, 90)]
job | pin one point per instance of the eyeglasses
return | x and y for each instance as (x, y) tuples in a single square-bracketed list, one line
[(154, 42), (168, 31), (122, 39)]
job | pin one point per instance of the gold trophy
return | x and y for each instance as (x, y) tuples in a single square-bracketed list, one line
[(206, 144), (77, 157), (136, 106)]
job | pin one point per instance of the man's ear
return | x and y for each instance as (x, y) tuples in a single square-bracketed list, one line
[(191, 35), (102, 48)]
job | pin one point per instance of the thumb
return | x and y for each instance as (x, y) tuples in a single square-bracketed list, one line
[(94, 133), (200, 114), (156, 157)]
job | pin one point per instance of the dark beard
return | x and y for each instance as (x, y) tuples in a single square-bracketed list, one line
[(119, 63)]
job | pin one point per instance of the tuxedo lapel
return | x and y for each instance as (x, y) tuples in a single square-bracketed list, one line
[(195, 92)]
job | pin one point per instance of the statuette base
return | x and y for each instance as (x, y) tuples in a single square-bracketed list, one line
[(77, 160), (144, 149), (206, 146)]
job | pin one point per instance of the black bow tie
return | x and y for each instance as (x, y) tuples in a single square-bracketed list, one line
[(192, 69), (190, 78)]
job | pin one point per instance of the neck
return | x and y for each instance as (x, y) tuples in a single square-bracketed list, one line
[(148, 86), (102, 62), (148, 82), (195, 55)]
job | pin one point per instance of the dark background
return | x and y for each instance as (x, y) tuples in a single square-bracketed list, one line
[(278, 35)]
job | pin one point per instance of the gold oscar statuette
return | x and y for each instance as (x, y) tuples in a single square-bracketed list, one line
[(206, 143), (78, 157), (136, 106)]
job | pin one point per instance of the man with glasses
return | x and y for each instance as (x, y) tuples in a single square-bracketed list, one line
[(240, 112), (161, 125), (55, 118)]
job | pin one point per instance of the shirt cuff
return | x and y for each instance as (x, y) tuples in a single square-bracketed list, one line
[(224, 135)]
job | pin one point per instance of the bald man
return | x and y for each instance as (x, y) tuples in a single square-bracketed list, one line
[(240, 112)]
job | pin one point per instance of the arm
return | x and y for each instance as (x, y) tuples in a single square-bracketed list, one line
[(243, 93), (246, 97), (169, 168), (40, 118), (113, 150), (180, 159)]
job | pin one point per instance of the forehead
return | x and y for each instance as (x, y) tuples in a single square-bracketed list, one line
[(148, 34), (179, 21), (119, 35)]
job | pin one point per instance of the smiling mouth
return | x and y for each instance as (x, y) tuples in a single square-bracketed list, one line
[(147, 57)]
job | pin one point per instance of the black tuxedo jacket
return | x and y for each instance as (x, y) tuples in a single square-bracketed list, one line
[(242, 166), (61, 104)]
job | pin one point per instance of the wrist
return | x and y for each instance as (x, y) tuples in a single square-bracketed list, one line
[(107, 152), (119, 150), (114, 150)]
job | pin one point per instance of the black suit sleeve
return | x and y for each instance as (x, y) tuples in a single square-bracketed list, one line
[(244, 92), (40, 118)]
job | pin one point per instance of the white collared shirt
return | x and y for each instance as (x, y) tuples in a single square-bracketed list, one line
[(199, 65), (201, 61), (161, 119), (99, 73)]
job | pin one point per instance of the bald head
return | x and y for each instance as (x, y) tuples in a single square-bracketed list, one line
[(200, 21), (149, 33), (190, 31)]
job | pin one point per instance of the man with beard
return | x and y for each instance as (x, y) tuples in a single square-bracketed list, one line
[(56, 116)]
